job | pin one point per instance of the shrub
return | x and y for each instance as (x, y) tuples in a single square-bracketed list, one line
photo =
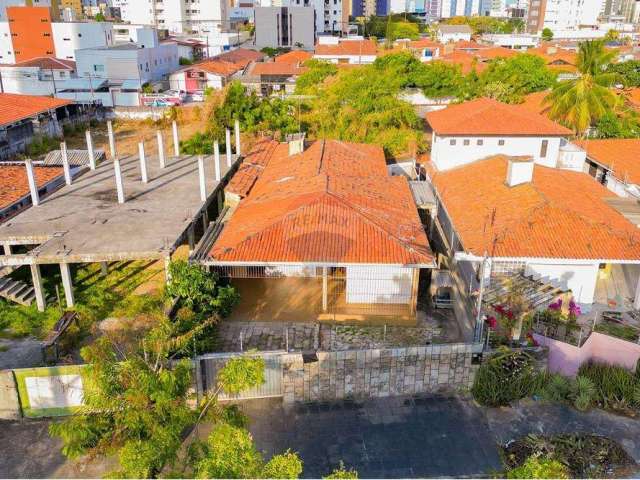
[(614, 387), (584, 393), (557, 388), (539, 468)]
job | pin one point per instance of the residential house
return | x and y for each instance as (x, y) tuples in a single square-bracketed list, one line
[(24, 116), (615, 163), (510, 215), (454, 33), (320, 232), (38, 76), (354, 52), (482, 128), (558, 59), (294, 57), (424, 49), (269, 78)]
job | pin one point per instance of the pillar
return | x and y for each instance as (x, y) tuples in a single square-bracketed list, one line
[(37, 286), (220, 202), (143, 163), (167, 271), (202, 178), (104, 269), (237, 128), (112, 139), (191, 236), (325, 289), (636, 300), (65, 163), (161, 149), (7, 249), (414, 290), (31, 177), (119, 184), (205, 220), (65, 271), (216, 159), (92, 155), (176, 140), (227, 142)]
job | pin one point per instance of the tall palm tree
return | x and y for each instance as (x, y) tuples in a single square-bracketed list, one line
[(582, 102)]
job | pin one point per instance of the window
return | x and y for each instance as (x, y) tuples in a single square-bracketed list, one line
[(501, 142), (452, 141), (480, 142), (466, 142), (543, 148)]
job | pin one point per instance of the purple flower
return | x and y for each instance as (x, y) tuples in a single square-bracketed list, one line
[(557, 305), (574, 308)]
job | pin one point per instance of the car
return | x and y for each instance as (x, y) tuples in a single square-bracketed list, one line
[(197, 96)]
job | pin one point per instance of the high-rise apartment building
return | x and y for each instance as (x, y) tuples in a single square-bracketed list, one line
[(51, 4), (562, 14), (456, 8)]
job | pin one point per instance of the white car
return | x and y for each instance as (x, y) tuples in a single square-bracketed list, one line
[(197, 96)]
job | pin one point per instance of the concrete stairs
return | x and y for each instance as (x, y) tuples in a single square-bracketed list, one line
[(17, 291)]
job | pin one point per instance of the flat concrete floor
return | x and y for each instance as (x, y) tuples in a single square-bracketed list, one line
[(85, 218)]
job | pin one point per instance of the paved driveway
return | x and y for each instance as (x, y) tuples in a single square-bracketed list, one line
[(388, 437)]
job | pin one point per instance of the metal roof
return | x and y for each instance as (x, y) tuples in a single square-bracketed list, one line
[(77, 158)]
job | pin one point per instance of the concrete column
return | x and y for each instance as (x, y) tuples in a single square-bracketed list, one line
[(636, 300), (67, 284), (167, 271), (65, 163), (119, 183), (92, 154), (227, 142), (216, 159), (143, 162), (220, 202), (176, 140), (237, 128), (31, 177), (36, 277), (191, 237), (112, 139), (202, 178), (104, 269), (414, 290), (205, 220), (161, 149), (7, 248), (325, 289)]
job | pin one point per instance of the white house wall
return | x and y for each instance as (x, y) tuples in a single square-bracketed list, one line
[(580, 279), (7, 54), (69, 37), (446, 156), (351, 59), (379, 284)]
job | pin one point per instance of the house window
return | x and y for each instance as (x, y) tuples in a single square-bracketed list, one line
[(480, 141), (466, 142), (543, 148), (501, 142), (452, 141)]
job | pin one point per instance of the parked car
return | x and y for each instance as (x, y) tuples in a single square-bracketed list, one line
[(197, 96)]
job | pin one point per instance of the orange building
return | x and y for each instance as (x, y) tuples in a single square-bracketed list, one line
[(31, 32)]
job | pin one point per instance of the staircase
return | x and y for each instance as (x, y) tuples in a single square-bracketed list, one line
[(15, 290)]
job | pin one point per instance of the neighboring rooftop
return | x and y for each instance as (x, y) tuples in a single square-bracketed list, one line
[(559, 214), (275, 68), (348, 47), (620, 155), (484, 116), (534, 102), (241, 56), (294, 57), (335, 202), (14, 185), (14, 107), (46, 63), (252, 166), (455, 29)]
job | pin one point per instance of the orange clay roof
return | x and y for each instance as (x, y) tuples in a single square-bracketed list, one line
[(14, 184), (333, 203), (14, 108), (495, 52), (216, 67), (47, 63), (556, 58), (534, 102), (622, 155), (252, 166), (633, 97), (467, 61), (348, 47), (469, 45), (485, 116), (546, 218), (424, 43), (273, 68), (294, 57)]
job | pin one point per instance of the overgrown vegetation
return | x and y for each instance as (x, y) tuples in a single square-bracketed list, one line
[(566, 456), (616, 388)]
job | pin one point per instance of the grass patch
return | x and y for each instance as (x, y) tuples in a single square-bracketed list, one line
[(624, 332)]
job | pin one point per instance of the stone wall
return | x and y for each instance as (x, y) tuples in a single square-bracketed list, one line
[(377, 372)]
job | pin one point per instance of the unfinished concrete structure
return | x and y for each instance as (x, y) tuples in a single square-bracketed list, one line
[(110, 214)]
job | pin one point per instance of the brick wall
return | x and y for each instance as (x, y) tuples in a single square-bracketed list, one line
[(377, 372)]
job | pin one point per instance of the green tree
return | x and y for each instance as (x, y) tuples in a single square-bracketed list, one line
[(342, 473), (404, 30), (100, 17), (317, 72), (185, 61), (612, 36), (628, 71), (611, 125), (439, 79), (536, 467), (581, 102), (547, 34)]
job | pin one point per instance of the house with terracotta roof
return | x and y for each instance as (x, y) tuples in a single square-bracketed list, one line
[(512, 215), (338, 50), (424, 49), (480, 128), (558, 59), (24, 116), (272, 78), (615, 163), (454, 33), (37, 76), (320, 232)]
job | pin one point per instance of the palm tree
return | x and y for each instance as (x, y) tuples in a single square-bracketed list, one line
[(582, 102)]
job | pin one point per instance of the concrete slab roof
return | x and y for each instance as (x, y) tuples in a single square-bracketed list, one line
[(83, 222)]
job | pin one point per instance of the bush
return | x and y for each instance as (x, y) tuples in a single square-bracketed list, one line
[(539, 468), (614, 387)]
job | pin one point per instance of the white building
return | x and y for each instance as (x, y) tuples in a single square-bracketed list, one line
[(336, 50), (459, 8), (514, 41), (562, 14), (71, 36), (40, 76), (454, 33), (7, 54)]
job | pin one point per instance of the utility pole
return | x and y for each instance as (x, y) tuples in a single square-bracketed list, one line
[(53, 79)]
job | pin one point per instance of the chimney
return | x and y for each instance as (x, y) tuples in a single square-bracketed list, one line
[(35, 198), (296, 143), (519, 171)]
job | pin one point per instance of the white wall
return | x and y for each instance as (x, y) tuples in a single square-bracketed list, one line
[(580, 279), (453, 37), (6, 46), (379, 284), (32, 81), (69, 37), (446, 156), (352, 59)]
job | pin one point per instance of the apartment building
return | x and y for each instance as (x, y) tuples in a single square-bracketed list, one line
[(457, 8), (284, 27), (562, 14), (51, 4)]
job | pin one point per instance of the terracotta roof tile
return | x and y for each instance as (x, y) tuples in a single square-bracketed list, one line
[(622, 155), (216, 67), (273, 68), (484, 116), (467, 61), (335, 202), (14, 108), (47, 63), (252, 166), (348, 47), (14, 184), (534, 102), (541, 219), (294, 57)]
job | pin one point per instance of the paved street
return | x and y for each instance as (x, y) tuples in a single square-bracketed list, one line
[(389, 437)]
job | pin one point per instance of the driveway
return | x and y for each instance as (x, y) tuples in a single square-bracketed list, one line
[(395, 437)]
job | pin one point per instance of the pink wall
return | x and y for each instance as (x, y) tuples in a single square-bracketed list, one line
[(566, 359)]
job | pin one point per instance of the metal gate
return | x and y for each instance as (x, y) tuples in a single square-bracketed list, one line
[(207, 367)]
